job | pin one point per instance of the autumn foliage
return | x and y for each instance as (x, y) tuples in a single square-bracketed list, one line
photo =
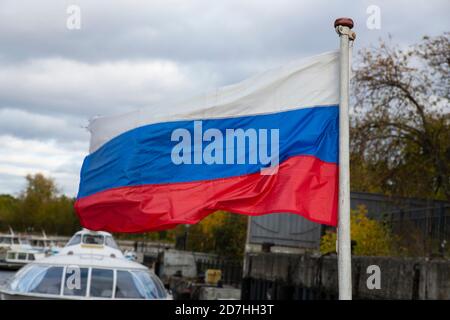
[(370, 237)]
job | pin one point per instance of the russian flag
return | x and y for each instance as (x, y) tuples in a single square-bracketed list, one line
[(268, 144)]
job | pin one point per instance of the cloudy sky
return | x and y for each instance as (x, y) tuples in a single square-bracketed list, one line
[(135, 54)]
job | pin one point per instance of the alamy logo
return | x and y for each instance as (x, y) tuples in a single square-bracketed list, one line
[(234, 146)]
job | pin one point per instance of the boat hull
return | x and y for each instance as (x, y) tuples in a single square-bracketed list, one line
[(10, 265), (7, 296)]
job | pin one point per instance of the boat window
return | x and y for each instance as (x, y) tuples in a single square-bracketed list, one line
[(50, 281), (31, 256), (75, 281), (24, 277), (16, 283), (22, 256), (37, 279), (159, 285), (93, 239), (150, 287), (39, 243), (76, 239), (11, 255), (126, 286), (5, 240), (101, 283), (111, 243)]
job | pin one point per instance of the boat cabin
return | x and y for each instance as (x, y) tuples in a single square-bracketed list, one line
[(8, 240), (78, 277), (23, 256)]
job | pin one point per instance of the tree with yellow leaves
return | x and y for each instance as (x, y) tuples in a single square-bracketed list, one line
[(371, 237)]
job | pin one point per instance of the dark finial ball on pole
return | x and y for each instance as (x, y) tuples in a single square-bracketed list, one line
[(346, 22)]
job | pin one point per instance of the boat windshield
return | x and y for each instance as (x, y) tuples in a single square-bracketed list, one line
[(138, 285), (109, 241), (76, 239), (150, 284), (93, 239), (46, 280), (38, 279), (96, 239)]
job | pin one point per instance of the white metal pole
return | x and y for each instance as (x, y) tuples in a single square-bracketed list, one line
[(343, 28)]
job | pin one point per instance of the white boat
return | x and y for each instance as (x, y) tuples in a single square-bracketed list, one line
[(20, 256), (10, 242), (90, 266), (44, 244), (92, 242)]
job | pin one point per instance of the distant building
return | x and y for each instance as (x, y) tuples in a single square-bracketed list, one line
[(285, 232)]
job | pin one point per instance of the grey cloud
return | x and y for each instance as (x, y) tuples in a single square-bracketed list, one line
[(134, 54), (199, 30), (11, 183), (68, 87), (29, 125)]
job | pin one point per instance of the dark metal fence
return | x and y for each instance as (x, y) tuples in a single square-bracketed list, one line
[(145, 246), (231, 269), (428, 225)]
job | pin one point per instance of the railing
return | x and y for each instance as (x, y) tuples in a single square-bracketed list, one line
[(431, 225), (144, 246)]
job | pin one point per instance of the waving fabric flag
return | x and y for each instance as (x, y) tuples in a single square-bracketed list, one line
[(268, 144)]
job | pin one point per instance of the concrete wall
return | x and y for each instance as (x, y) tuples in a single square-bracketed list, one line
[(401, 278), (214, 293)]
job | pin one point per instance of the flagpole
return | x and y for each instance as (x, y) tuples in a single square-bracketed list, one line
[(343, 27)]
